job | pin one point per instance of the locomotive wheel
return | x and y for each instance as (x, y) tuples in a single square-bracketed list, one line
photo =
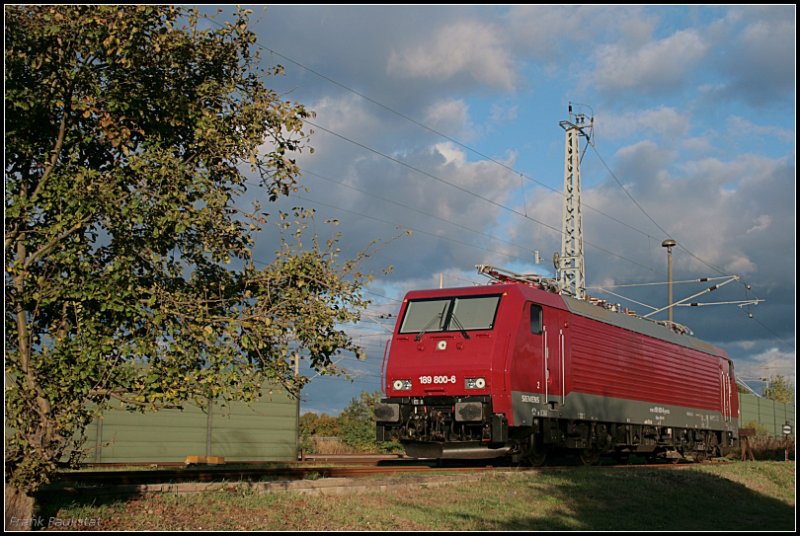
[(711, 450), (537, 457), (589, 456), (702, 456), (535, 452)]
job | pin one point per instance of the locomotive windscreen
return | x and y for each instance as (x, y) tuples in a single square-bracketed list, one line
[(450, 314)]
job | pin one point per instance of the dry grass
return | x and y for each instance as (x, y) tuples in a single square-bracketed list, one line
[(330, 445), (737, 496)]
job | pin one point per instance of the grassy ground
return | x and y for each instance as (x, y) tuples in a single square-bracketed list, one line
[(739, 496)]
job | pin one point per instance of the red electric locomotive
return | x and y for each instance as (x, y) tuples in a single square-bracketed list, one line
[(514, 368)]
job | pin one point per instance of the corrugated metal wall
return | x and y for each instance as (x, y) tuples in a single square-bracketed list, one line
[(267, 430), (768, 414)]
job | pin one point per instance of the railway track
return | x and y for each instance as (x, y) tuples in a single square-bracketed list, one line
[(169, 477), (312, 473), (322, 467)]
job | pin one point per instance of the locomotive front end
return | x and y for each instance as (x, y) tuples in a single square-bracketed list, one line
[(443, 427), (443, 379)]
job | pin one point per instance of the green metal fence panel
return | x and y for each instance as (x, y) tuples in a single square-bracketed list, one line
[(234, 437), (266, 430), (767, 414)]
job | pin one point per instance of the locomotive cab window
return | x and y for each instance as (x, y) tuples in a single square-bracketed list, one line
[(536, 319), (450, 314), (425, 315)]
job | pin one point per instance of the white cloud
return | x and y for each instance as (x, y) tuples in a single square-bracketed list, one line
[(738, 126), (656, 66), (698, 145), (746, 345), (465, 49), (452, 204), (450, 116), (549, 33), (754, 55), (762, 223), (642, 163), (500, 113), (667, 122), (770, 363), (723, 212), (760, 63), (344, 115), (542, 29), (671, 88), (741, 265)]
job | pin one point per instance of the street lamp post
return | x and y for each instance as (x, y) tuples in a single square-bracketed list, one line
[(669, 244)]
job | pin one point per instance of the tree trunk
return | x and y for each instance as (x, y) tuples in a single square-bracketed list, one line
[(19, 510)]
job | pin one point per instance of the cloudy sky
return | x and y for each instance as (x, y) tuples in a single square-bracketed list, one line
[(437, 133)]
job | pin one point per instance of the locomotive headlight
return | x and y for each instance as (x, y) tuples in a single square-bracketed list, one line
[(402, 385), (474, 383)]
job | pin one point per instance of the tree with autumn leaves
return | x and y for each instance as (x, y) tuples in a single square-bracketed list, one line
[(133, 134)]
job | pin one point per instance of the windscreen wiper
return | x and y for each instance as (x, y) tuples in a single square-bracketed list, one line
[(438, 316), (460, 327)]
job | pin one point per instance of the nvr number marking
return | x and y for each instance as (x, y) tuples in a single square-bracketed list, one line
[(436, 379)]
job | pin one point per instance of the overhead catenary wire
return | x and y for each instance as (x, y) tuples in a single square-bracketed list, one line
[(437, 236), (409, 207), (403, 226), (457, 142), (453, 140), (481, 154), (524, 215), (497, 204), (659, 283), (717, 269), (614, 176), (471, 193), (441, 134), (652, 220), (625, 298), (436, 132)]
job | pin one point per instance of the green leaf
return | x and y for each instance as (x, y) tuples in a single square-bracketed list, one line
[(129, 272)]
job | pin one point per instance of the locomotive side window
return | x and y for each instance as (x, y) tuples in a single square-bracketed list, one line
[(450, 314), (536, 319)]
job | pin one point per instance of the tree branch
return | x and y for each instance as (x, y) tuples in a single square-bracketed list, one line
[(62, 131), (50, 244)]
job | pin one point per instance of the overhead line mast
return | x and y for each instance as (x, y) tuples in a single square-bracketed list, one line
[(569, 264), (570, 277)]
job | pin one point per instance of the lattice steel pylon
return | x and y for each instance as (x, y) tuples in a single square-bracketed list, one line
[(569, 263)]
